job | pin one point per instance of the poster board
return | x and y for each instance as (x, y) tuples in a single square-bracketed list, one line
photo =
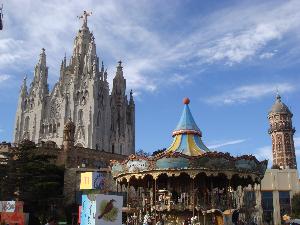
[(92, 180), (101, 209)]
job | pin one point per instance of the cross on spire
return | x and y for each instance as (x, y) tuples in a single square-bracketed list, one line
[(84, 17)]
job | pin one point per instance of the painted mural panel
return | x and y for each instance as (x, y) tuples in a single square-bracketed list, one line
[(101, 209), (172, 163), (109, 209)]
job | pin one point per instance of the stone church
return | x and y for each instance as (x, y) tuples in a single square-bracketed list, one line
[(103, 120)]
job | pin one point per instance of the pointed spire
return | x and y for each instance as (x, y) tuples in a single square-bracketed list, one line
[(119, 69), (131, 98), (24, 86), (102, 67), (65, 59), (42, 60), (105, 74)]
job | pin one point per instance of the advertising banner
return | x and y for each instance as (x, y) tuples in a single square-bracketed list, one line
[(101, 209), (92, 180)]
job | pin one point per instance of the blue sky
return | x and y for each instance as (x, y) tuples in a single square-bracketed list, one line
[(228, 57)]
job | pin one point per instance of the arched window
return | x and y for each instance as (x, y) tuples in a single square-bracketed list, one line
[(113, 149), (121, 149), (27, 120), (80, 115), (98, 119)]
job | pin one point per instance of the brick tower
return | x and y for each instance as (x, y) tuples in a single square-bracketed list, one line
[(282, 131)]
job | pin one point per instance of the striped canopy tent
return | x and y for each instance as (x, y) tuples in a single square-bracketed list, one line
[(187, 135)]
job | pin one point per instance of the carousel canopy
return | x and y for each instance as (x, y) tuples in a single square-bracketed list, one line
[(187, 135), (187, 154)]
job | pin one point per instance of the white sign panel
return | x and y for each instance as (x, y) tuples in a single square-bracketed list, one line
[(7, 206)]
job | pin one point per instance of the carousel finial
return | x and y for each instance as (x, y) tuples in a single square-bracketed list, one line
[(186, 101)]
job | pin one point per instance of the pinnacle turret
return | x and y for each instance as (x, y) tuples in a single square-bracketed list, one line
[(131, 98), (24, 87), (119, 82), (39, 83)]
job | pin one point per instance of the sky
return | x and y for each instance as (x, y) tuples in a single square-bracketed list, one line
[(228, 57)]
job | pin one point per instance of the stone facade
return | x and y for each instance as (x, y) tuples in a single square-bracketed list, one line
[(282, 134), (103, 121)]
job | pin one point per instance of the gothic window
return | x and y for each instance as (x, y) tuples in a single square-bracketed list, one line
[(96, 146), (113, 149), (121, 149), (27, 120), (98, 118), (50, 128), (42, 129), (80, 115), (54, 128)]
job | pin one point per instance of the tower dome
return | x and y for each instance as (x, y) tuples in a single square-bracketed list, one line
[(279, 106)]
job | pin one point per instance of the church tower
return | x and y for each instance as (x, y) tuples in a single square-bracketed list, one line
[(102, 120), (122, 116), (282, 132)]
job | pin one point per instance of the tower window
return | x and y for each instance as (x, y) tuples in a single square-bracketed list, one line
[(80, 115), (112, 149), (26, 128), (121, 149)]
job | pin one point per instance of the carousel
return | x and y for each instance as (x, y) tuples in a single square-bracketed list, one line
[(187, 183)]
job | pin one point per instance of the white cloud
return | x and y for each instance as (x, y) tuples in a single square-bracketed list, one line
[(4, 78), (234, 48), (225, 143), (129, 35), (245, 93), (267, 55), (263, 153)]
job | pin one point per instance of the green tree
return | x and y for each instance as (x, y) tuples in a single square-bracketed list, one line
[(296, 206), (158, 151), (32, 177)]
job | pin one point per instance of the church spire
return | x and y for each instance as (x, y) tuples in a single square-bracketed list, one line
[(41, 74), (24, 87), (119, 82)]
